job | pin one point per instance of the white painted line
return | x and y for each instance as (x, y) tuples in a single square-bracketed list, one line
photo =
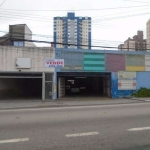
[(82, 134), (14, 140), (139, 129)]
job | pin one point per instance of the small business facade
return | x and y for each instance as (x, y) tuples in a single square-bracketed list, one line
[(25, 75), (101, 73)]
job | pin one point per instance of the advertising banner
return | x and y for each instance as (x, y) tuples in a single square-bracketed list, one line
[(54, 63)]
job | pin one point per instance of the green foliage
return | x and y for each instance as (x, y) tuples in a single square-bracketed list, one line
[(142, 92)]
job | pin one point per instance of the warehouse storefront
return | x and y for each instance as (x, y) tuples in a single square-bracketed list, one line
[(83, 84), (26, 86), (110, 73), (23, 74), (42, 73), (21, 85)]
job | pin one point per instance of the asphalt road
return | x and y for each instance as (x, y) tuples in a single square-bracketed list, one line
[(105, 127)]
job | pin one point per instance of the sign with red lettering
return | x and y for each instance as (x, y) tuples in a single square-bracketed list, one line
[(54, 63)]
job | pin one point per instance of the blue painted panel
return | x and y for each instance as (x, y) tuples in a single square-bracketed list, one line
[(115, 93), (114, 85), (143, 79)]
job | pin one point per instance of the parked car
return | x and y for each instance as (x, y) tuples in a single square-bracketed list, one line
[(75, 90)]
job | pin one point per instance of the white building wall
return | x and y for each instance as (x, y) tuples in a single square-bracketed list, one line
[(9, 54)]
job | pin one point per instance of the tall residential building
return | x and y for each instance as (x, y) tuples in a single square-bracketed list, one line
[(148, 34), (72, 30), (137, 43)]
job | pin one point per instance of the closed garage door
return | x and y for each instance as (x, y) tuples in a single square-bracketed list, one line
[(21, 86)]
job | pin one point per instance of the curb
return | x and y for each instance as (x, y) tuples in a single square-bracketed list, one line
[(58, 106)]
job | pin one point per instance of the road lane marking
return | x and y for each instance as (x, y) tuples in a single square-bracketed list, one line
[(14, 140), (139, 129), (82, 134)]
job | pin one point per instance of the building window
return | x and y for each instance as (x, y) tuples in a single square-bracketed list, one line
[(18, 43)]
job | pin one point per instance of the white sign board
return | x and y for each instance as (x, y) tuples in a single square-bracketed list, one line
[(23, 63), (126, 75), (126, 84), (54, 63)]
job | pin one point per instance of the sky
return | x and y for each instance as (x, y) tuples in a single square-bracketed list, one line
[(113, 21)]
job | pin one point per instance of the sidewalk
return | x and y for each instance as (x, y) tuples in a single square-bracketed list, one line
[(147, 99), (61, 103)]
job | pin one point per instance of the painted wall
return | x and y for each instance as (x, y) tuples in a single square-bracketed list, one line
[(115, 93), (135, 62), (143, 79), (115, 62), (73, 60), (110, 61), (94, 62), (97, 61), (8, 55)]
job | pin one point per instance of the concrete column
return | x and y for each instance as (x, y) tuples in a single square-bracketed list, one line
[(55, 85), (43, 86)]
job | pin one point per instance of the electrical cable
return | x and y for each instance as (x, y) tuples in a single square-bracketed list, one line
[(137, 1), (2, 3), (126, 7)]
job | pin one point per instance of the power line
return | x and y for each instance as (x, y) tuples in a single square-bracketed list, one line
[(18, 35), (69, 44), (103, 19), (19, 16), (95, 46), (10, 13), (136, 1), (2, 3), (121, 17), (25, 15), (80, 9)]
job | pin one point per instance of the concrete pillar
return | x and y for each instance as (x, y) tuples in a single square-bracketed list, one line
[(43, 86), (55, 85)]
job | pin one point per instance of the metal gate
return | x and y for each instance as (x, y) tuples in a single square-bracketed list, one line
[(61, 87), (48, 85)]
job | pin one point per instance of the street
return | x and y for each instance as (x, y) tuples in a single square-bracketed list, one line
[(103, 127)]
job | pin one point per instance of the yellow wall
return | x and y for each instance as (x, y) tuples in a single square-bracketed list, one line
[(135, 68)]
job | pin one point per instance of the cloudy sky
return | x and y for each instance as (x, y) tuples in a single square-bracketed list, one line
[(113, 21)]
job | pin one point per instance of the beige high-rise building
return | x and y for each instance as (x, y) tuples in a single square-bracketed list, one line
[(148, 34), (137, 43)]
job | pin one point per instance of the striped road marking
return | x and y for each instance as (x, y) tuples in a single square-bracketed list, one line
[(139, 129), (14, 140), (82, 134)]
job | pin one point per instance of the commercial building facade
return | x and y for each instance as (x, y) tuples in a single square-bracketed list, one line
[(74, 32), (102, 73), (24, 73)]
